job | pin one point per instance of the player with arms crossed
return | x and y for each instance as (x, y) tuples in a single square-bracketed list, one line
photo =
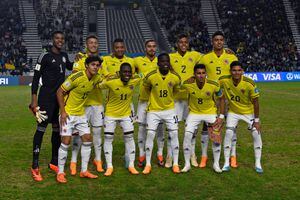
[(51, 67), (71, 97), (242, 95), (93, 109), (118, 110), (162, 83), (144, 65), (183, 62), (217, 63), (202, 107)]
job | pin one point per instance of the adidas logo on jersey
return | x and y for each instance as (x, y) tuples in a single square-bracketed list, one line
[(117, 88)]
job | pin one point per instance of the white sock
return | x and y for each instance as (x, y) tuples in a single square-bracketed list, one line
[(149, 146), (142, 134), (216, 153), (97, 142), (130, 150), (160, 139), (204, 142), (108, 148), (169, 146), (257, 145), (227, 145), (75, 147), (193, 147), (233, 144), (62, 157), (187, 148), (85, 155), (175, 145)]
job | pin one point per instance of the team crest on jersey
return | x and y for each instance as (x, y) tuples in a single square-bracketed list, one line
[(208, 93), (131, 87), (226, 61), (170, 84), (243, 91), (191, 59), (64, 59)]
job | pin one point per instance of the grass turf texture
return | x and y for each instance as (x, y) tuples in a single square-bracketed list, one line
[(280, 113)]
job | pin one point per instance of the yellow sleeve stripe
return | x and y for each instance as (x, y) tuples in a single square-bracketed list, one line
[(213, 83), (76, 75), (246, 79), (150, 73)]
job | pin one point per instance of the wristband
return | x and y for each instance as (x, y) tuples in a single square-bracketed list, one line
[(221, 116), (256, 119)]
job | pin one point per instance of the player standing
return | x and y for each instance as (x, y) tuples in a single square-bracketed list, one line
[(118, 110), (144, 65), (94, 109), (51, 66), (71, 97), (242, 95), (162, 83), (202, 107), (183, 62), (217, 63)]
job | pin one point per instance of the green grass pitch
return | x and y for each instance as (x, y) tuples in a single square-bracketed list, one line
[(280, 117)]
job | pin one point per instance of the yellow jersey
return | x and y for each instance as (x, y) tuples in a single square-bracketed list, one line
[(217, 66), (184, 67), (144, 65), (201, 101), (111, 64), (161, 89), (95, 97), (78, 87), (119, 97), (239, 97)]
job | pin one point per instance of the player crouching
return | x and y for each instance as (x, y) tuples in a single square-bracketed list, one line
[(202, 107), (72, 115)]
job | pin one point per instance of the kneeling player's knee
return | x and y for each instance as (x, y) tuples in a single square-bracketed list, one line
[(66, 140), (86, 138)]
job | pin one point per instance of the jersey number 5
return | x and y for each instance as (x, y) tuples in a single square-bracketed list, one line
[(218, 70)]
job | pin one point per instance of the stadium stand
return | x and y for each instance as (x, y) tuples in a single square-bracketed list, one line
[(62, 15), (183, 17), (296, 5), (13, 53), (261, 36)]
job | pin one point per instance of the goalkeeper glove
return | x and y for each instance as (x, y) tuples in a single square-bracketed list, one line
[(39, 114)]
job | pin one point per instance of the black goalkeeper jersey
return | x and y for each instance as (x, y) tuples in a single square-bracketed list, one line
[(51, 67)]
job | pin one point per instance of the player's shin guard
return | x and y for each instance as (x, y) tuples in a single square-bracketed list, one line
[(97, 141), (85, 155), (175, 145), (62, 157), (233, 144), (257, 144), (149, 146), (55, 140), (216, 153), (227, 144), (130, 150), (37, 143), (187, 148), (142, 134), (75, 147), (204, 143), (108, 148), (160, 139)]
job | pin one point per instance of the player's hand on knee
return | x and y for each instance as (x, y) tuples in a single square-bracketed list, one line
[(63, 118)]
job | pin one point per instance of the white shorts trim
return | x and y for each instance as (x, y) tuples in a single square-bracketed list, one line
[(75, 124), (182, 109), (95, 115), (193, 120), (110, 124), (233, 119), (167, 116)]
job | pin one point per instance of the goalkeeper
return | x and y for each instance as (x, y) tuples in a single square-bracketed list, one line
[(50, 67), (202, 107)]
